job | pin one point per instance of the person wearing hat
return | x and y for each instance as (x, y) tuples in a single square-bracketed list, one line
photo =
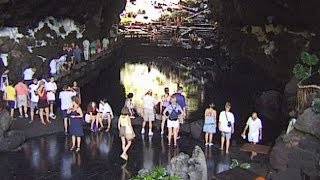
[(148, 111)]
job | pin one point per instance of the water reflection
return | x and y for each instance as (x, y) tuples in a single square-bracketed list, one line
[(138, 78), (148, 153), (99, 156)]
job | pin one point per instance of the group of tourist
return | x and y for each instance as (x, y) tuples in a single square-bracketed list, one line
[(226, 127), (72, 54)]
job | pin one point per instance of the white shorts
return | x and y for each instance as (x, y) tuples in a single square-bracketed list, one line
[(253, 138), (22, 100), (173, 124)]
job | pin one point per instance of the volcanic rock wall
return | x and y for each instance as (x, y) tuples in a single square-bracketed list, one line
[(37, 29), (270, 33)]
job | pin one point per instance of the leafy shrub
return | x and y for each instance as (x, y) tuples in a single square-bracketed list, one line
[(157, 173), (304, 70), (235, 163), (316, 105)]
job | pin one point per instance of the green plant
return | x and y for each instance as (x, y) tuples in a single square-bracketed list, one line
[(304, 70), (235, 163), (316, 105), (157, 173)]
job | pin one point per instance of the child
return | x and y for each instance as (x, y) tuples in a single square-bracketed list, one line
[(126, 132), (51, 88), (210, 124)]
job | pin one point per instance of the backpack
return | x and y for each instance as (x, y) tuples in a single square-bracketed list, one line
[(174, 115)]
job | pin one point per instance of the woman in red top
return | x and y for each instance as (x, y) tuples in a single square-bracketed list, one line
[(92, 110), (43, 104)]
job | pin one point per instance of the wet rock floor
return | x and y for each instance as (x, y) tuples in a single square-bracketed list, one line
[(49, 157)]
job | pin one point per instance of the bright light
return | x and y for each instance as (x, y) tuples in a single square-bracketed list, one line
[(147, 11), (139, 78)]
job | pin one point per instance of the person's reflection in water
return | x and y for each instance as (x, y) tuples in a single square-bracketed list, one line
[(223, 164), (210, 161), (66, 142), (43, 154), (35, 156), (94, 145), (125, 173), (52, 149), (105, 143), (147, 153), (76, 159), (66, 163), (172, 152), (162, 158)]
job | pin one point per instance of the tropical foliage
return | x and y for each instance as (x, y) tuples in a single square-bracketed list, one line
[(235, 163), (157, 173), (316, 105), (304, 69)]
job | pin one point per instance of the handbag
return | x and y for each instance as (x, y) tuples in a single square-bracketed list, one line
[(130, 136)]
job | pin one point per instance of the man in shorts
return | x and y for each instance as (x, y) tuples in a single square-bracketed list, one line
[(10, 97), (66, 102), (226, 126), (105, 112), (22, 98), (51, 88), (34, 98), (255, 130), (148, 111)]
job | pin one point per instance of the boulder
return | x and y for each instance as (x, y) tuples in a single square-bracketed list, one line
[(194, 168), (5, 121), (290, 94), (309, 122), (269, 105), (179, 166), (11, 141), (197, 165), (300, 148), (196, 129)]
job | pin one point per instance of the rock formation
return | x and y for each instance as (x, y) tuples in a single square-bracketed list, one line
[(9, 140), (34, 31), (194, 168), (271, 34), (300, 149)]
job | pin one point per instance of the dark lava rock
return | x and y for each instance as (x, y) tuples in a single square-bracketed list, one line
[(269, 105), (12, 140), (300, 148), (309, 122), (196, 129), (290, 93), (5, 122), (189, 168)]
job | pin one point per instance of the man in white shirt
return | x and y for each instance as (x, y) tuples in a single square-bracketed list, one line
[(66, 102), (226, 126), (255, 130), (28, 75), (62, 59), (86, 45), (105, 112), (51, 88), (148, 111), (105, 44), (53, 67), (34, 98)]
